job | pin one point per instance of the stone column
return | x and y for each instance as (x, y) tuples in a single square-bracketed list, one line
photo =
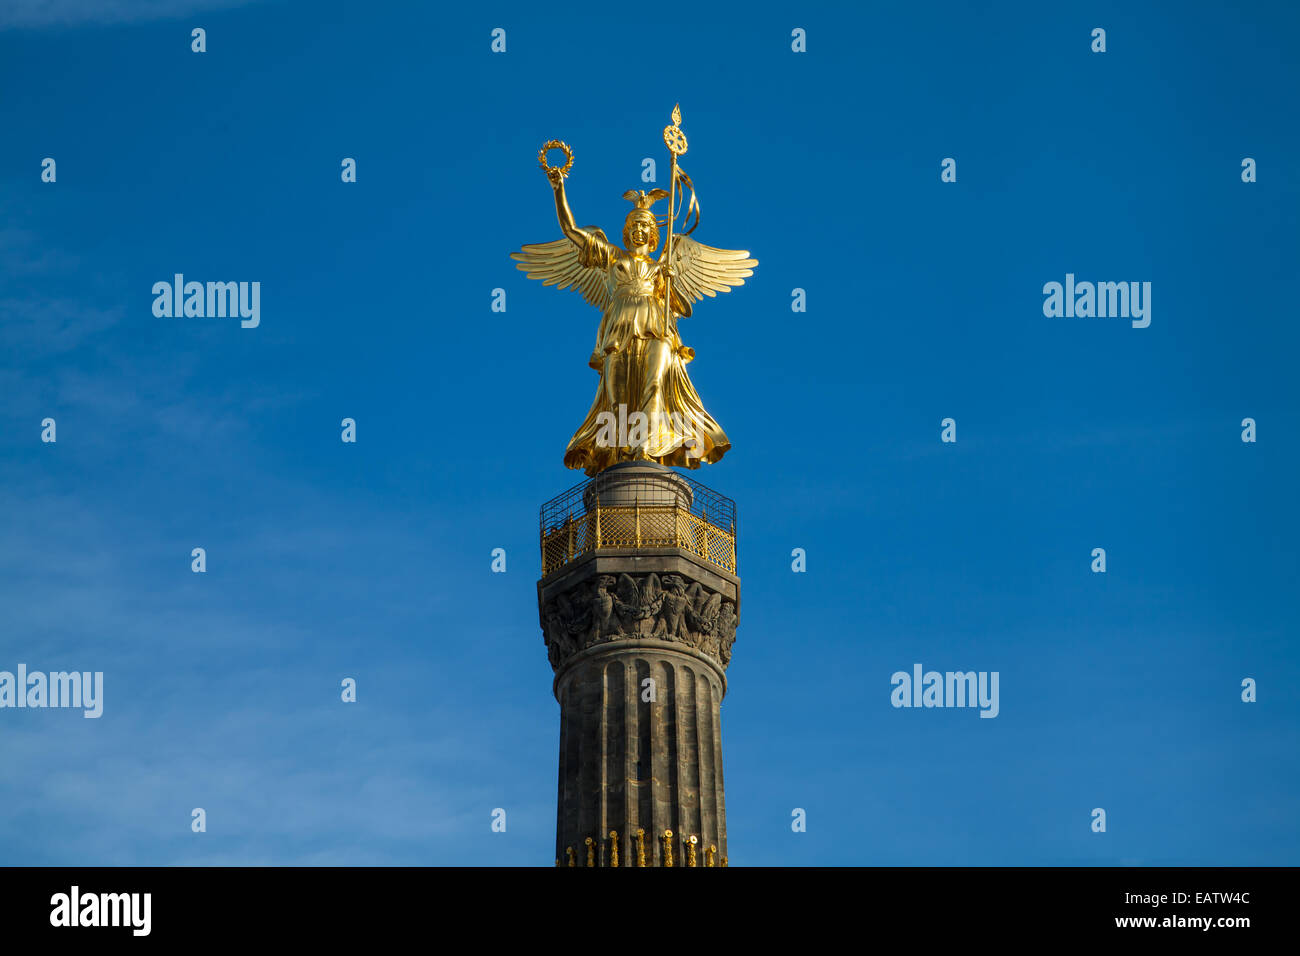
[(639, 635)]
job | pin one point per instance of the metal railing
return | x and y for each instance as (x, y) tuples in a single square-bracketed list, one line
[(658, 512)]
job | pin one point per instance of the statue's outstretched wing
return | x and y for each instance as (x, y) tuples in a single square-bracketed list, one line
[(703, 270), (556, 263)]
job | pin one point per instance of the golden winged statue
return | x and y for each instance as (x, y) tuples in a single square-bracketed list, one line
[(638, 353)]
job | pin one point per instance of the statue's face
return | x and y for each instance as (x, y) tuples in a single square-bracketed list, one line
[(640, 231)]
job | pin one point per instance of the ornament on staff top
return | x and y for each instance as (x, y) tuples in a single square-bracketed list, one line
[(638, 351)]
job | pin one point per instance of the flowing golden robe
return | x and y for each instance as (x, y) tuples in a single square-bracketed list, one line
[(642, 365)]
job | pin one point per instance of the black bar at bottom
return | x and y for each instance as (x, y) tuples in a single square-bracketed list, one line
[(535, 906)]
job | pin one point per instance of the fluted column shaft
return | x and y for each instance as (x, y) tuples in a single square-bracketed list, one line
[(640, 747)]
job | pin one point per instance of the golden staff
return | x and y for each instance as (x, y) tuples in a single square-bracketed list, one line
[(675, 140)]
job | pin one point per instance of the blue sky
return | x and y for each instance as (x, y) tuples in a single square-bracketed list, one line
[(328, 560)]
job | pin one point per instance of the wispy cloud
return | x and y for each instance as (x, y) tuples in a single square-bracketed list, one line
[(213, 703), (57, 13), (37, 327)]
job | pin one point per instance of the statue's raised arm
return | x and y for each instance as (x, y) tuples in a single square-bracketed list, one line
[(562, 211)]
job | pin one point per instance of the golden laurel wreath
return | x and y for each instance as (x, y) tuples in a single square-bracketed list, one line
[(568, 155)]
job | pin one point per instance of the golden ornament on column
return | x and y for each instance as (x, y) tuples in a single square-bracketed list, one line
[(638, 350)]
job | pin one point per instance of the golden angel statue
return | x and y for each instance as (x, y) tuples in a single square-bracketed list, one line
[(646, 408)]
